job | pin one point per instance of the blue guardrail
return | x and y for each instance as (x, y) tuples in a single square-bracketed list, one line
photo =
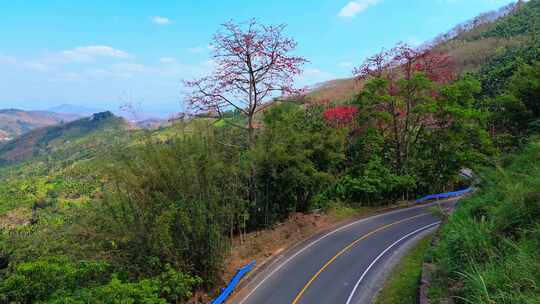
[(444, 195), (226, 292)]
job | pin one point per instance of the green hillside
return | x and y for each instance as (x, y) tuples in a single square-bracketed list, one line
[(510, 42), (60, 138), (61, 159)]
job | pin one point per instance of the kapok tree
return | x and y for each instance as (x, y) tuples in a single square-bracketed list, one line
[(253, 65), (341, 116), (400, 96)]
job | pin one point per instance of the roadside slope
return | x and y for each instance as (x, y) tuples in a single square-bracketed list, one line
[(489, 250)]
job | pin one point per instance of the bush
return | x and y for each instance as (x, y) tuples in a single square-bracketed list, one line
[(116, 292), (59, 280), (169, 287), (35, 281)]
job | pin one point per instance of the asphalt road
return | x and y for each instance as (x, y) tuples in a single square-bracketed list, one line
[(342, 266)]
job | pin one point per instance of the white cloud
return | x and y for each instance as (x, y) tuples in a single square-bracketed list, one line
[(197, 50), (354, 8), (201, 49), (345, 64), (159, 20), (92, 52), (167, 60), (129, 67), (4, 59), (313, 75), (67, 77), (32, 65), (37, 66)]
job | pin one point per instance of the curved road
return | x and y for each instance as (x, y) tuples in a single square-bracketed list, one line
[(343, 266)]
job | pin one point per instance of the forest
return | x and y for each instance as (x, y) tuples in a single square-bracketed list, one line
[(92, 212)]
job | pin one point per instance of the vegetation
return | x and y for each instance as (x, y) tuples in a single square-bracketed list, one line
[(489, 250), (91, 211), (402, 285)]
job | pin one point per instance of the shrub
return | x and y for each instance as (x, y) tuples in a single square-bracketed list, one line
[(36, 281)]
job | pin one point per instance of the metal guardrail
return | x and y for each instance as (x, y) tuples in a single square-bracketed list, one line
[(226, 292), (444, 195)]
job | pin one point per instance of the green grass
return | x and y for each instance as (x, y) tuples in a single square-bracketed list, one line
[(402, 285), (489, 251), (341, 212)]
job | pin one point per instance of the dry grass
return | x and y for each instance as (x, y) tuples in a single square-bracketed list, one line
[(15, 218), (339, 90)]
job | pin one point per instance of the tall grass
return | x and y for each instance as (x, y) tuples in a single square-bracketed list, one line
[(490, 250)]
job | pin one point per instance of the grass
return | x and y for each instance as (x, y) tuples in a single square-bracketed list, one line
[(489, 250), (339, 212), (402, 285)]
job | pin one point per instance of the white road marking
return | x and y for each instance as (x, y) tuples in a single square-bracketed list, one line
[(327, 235), (381, 255)]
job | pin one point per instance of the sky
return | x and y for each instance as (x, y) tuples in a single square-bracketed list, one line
[(105, 53)]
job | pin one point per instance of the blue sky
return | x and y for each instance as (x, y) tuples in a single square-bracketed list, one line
[(103, 53)]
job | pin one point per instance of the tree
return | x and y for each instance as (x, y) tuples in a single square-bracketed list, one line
[(401, 93), (340, 117), (253, 63), (297, 156), (525, 85)]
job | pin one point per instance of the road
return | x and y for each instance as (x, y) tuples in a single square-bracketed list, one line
[(344, 266)]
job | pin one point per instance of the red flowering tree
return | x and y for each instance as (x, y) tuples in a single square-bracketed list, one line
[(340, 117), (403, 61), (253, 64), (401, 95)]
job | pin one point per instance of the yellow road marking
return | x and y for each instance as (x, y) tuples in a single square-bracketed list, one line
[(365, 236)]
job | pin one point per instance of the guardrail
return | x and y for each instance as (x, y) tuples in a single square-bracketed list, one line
[(444, 195), (226, 292)]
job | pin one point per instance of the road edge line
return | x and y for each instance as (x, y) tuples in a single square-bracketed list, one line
[(349, 299)]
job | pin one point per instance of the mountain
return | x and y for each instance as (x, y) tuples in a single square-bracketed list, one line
[(4, 136), (15, 122), (74, 109), (79, 136), (152, 123), (491, 46)]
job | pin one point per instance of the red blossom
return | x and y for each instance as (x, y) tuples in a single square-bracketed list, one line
[(253, 64), (403, 61), (340, 116)]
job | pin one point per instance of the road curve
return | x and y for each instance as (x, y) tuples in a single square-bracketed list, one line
[(342, 266)]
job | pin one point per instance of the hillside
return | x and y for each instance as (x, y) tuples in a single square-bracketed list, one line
[(488, 45), (489, 251), (50, 139), (15, 122), (4, 136)]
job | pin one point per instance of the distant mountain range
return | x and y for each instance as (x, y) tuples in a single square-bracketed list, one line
[(138, 115), (14, 122), (74, 109)]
